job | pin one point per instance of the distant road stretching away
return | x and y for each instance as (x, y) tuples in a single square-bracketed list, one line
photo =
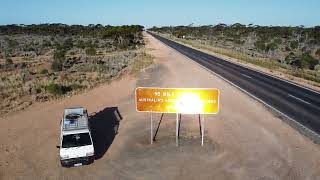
[(294, 101)]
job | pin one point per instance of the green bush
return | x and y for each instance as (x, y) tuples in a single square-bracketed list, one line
[(65, 46), (44, 71), (59, 54), (9, 61), (263, 46), (81, 44), (96, 43), (91, 51), (260, 45), (89, 43), (290, 58), (57, 65), (58, 59), (318, 52), (317, 67), (294, 44), (307, 61), (57, 89), (46, 43), (12, 43), (271, 47), (278, 41), (68, 44)]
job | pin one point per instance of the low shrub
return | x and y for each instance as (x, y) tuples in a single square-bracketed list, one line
[(318, 52), (57, 65), (294, 44), (307, 61), (271, 46), (81, 44), (9, 61), (260, 45), (291, 58), (44, 71), (58, 89), (59, 54), (55, 89), (91, 51)]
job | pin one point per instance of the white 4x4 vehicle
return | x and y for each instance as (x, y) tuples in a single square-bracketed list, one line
[(76, 146)]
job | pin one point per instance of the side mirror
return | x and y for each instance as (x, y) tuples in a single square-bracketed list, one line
[(58, 147)]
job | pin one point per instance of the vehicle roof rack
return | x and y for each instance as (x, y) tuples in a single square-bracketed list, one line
[(77, 122)]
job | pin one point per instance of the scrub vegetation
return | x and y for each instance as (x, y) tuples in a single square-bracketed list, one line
[(41, 62), (292, 50)]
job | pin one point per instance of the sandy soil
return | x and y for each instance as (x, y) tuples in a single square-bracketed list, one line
[(244, 141)]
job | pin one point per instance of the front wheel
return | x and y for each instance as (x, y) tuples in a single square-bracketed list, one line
[(64, 164)]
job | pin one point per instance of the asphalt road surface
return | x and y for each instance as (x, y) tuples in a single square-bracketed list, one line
[(296, 102)]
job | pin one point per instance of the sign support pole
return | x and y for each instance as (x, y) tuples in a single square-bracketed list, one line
[(177, 129), (151, 129), (202, 130), (167, 99)]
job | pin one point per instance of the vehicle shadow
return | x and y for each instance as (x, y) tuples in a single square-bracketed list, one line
[(104, 127)]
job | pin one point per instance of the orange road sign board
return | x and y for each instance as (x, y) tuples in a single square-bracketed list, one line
[(177, 100)]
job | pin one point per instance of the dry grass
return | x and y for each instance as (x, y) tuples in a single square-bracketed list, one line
[(271, 64), (19, 88), (259, 61), (142, 61)]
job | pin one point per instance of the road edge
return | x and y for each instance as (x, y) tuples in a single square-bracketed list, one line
[(314, 137)]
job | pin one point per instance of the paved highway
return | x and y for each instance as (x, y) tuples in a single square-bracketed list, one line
[(300, 104)]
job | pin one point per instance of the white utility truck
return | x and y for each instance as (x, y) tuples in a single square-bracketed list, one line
[(76, 146)]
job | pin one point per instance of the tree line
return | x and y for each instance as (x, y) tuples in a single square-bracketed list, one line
[(96, 30)]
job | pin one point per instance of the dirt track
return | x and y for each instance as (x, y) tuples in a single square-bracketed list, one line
[(244, 141)]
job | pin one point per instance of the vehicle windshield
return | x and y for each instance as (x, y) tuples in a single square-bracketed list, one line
[(76, 140)]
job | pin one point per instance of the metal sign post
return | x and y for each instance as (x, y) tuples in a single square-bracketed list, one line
[(179, 101), (177, 129), (151, 129), (202, 130)]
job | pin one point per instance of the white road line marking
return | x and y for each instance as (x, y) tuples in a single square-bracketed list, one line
[(298, 99), (246, 76), (219, 64), (258, 99), (256, 70), (270, 75)]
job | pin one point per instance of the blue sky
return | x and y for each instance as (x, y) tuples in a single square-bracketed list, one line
[(162, 12)]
